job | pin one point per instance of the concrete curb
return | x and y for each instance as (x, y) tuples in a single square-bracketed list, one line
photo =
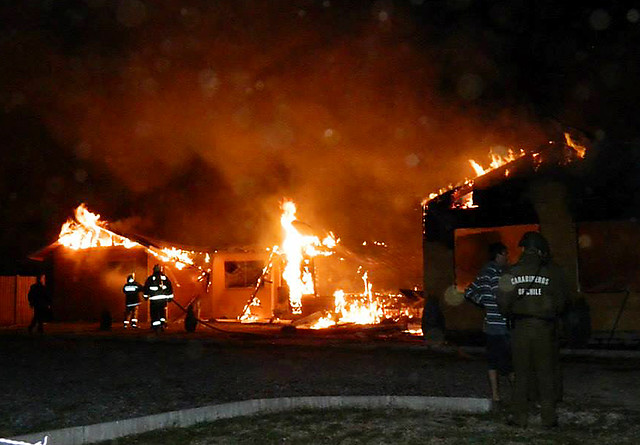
[(100, 432)]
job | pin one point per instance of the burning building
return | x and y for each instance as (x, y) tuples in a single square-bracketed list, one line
[(89, 263), (556, 190), (294, 280)]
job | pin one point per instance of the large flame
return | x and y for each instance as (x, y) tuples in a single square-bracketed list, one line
[(87, 231), (496, 161), (298, 249), (364, 308)]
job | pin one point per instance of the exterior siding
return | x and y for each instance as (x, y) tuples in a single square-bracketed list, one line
[(14, 306)]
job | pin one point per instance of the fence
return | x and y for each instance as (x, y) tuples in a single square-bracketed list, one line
[(14, 306)]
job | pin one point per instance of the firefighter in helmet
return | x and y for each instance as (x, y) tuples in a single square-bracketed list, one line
[(534, 293), (158, 290), (131, 290)]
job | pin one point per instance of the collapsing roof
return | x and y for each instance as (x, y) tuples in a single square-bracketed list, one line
[(499, 196)]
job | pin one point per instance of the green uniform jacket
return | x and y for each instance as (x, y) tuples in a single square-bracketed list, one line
[(532, 289)]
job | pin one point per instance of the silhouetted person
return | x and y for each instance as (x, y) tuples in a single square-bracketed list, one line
[(131, 290), (40, 302), (158, 290)]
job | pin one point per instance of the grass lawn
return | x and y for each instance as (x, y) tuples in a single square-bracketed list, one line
[(395, 426)]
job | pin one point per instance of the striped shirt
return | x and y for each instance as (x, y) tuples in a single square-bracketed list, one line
[(483, 293)]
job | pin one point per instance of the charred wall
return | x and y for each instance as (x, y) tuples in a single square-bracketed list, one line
[(89, 281)]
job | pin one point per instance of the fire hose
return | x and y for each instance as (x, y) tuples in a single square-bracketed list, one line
[(209, 325)]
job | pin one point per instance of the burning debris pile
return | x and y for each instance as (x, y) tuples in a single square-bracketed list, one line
[(299, 248)]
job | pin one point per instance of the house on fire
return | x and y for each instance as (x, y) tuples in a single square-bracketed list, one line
[(89, 263), (85, 282), (587, 209), (86, 269)]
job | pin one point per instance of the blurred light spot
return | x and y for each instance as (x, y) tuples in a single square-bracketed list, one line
[(585, 241), (328, 133), (412, 160), (500, 150), (383, 16), (13, 196), (425, 121), (83, 150), (326, 3), (143, 129), (81, 175), (209, 82), (599, 19), (131, 13), (470, 86), (633, 15), (190, 17), (453, 297), (302, 13), (259, 85)]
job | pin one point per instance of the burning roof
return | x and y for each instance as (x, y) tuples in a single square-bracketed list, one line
[(511, 165), (86, 230)]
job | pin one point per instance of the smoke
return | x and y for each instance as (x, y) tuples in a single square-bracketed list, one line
[(209, 113)]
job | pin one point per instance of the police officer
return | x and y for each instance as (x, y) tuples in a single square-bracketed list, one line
[(131, 291), (158, 290), (533, 293)]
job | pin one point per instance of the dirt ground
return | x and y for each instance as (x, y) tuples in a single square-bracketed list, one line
[(77, 377)]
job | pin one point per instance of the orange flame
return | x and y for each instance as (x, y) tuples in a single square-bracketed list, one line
[(298, 249), (580, 150), (496, 161), (88, 231), (360, 308)]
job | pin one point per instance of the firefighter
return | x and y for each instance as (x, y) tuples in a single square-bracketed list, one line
[(158, 290), (533, 293), (131, 291)]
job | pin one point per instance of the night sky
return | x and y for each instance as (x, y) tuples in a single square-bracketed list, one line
[(190, 120)]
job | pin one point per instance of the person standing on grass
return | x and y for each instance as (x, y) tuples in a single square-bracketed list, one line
[(482, 292)]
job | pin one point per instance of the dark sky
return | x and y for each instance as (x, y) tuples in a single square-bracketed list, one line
[(190, 120)]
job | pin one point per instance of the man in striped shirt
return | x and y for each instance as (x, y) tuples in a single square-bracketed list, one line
[(482, 292)]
